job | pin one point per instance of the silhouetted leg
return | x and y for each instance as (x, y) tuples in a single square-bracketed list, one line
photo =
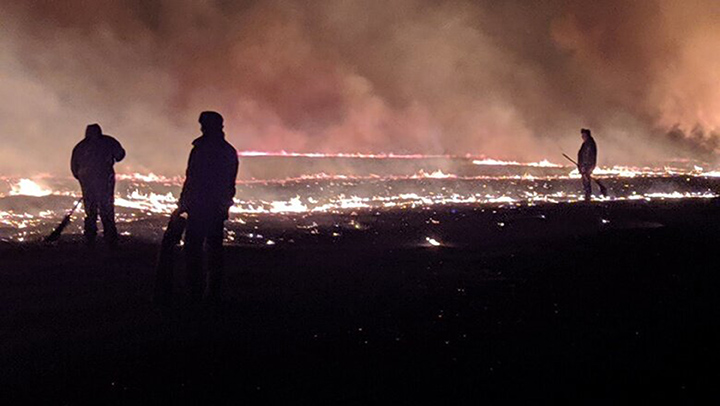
[(164, 274), (194, 241), (587, 186), (107, 215), (91, 213), (216, 258)]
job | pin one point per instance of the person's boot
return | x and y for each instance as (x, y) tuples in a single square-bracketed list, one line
[(90, 240), (111, 240)]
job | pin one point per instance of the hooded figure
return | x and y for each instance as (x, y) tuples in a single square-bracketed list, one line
[(92, 164), (206, 198), (587, 159)]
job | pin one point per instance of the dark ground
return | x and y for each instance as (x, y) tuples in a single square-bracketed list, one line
[(561, 308)]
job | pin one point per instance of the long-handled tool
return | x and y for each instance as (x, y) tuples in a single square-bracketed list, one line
[(602, 187), (64, 223)]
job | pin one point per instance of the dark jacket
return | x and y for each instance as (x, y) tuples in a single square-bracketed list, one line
[(93, 159), (587, 156), (210, 178)]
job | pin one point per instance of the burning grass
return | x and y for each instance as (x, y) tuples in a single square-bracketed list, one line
[(31, 207)]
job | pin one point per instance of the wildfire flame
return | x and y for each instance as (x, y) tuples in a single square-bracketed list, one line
[(145, 195), (27, 187), (495, 162), (343, 155)]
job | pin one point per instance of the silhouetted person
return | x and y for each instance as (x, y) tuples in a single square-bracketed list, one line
[(206, 198), (92, 164), (587, 159)]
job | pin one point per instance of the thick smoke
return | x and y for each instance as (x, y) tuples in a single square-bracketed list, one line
[(512, 79)]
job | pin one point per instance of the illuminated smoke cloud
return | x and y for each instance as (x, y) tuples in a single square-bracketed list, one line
[(510, 80)]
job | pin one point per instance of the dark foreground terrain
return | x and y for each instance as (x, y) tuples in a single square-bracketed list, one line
[(522, 305)]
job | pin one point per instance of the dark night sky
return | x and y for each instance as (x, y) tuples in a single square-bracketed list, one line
[(511, 79)]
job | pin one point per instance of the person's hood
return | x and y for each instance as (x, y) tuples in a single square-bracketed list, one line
[(93, 131)]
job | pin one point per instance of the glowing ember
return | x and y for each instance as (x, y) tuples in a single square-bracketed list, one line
[(432, 241)]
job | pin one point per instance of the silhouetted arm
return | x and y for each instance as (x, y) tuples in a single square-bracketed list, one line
[(189, 176), (590, 156), (232, 171), (75, 163), (118, 151), (586, 157)]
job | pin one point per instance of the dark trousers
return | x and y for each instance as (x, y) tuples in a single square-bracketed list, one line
[(587, 185), (99, 199), (204, 231)]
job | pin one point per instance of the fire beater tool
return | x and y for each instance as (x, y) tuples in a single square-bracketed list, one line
[(64, 223), (165, 263), (602, 187)]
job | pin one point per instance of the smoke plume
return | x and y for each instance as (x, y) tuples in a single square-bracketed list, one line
[(513, 79)]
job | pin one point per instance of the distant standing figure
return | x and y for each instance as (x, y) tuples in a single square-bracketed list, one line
[(587, 159), (206, 198), (92, 164)]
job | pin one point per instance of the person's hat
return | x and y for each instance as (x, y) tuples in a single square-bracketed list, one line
[(211, 119)]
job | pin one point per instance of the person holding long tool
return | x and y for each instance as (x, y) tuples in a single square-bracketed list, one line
[(587, 159), (92, 164)]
